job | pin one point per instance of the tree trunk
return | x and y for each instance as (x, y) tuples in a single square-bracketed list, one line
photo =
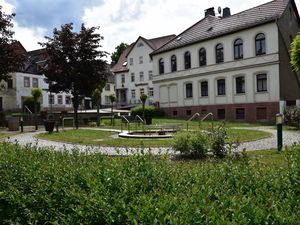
[(98, 112), (144, 111), (35, 115), (75, 106)]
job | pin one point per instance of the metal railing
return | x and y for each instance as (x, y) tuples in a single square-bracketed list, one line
[(127, 121), (28, 110), (200, 120)]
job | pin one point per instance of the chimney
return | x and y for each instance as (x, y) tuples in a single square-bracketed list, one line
[(210, 11), (226, 12)]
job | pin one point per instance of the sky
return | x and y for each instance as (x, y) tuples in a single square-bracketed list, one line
[(119, 20)]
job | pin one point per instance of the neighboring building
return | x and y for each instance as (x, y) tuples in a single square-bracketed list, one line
[(235, 66), (134, 71), (108, 90), (18, 88)]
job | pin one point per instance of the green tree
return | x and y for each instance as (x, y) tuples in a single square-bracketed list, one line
[(74, 62), (36, 95), (96, 97), (119, 50), (112, 98), (295, 54), (143, 98), (11, 58)]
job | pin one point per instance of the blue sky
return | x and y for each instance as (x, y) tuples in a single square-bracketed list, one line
[(119, 20)]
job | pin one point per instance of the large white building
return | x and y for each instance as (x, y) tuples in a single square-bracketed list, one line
[(134, 71), (235, 66)]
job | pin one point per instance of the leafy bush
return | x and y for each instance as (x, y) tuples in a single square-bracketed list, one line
[(92, 124), (292, 116), (218, 145), (149, 111), (194, 144), (47, 187), (29, 102)]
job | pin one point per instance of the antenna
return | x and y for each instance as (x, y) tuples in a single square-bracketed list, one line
[(219, 10)]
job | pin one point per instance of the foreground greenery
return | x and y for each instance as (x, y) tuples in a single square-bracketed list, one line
[(108, 138), (39, 186)]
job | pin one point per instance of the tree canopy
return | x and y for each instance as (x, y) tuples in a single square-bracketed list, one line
[(74, 62), (295, 54), (119, 50), (11, 58)]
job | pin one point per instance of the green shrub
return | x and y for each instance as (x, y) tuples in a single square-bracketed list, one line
[(92, 124), (218, 145), (39, 186), (194, 144), (29, 102), (149, 111), (292, 116)]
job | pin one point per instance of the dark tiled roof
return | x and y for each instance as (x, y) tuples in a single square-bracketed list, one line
[(211, 26), (154, 43), (119, 66), (35, 61)]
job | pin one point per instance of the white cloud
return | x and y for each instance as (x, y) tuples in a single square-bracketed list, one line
[(125, 20)]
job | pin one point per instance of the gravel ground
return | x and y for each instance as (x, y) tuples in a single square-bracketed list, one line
[(289, 138)]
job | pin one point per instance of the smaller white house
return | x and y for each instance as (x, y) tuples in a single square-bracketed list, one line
[(108, 90)]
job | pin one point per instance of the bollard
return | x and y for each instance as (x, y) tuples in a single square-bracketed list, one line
[(22, 124)]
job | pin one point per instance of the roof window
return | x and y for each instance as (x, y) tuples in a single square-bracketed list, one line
[(178, 39), (125, 63)]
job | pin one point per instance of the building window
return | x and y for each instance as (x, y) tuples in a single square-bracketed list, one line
[(240, 85), (10, 83), (173, 63), (107, 87), (189, 90), (68, 100), (26, 82), (261, 113), (131, 61), (51, 99), (151, 92), (238, 49), (261, 81), (219, 53), (150, 75), (35, 83), (202, 57), (240, 114), (204, 88), (133, 94), (59, 99), (141, 59), (260, 44), (140, 44), (188, 112), (142, 91), (161, 66), (107, 100), (123, 78), (187, 60), (174, 113), (221, 87), (141, 76), (132, 77), (221, 114)]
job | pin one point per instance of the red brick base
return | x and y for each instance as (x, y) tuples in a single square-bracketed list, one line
[(264, 111)]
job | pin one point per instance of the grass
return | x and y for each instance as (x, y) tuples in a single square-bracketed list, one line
[(104, 138), (4, 135), (39, 186)]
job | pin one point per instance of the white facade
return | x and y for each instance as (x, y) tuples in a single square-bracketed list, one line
[(108, 90), (138, 78), (171, 86), (22, 83)]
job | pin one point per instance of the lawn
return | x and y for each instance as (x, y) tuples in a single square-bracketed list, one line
[(39, 186), (107, 138)]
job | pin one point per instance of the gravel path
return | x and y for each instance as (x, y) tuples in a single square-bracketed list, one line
[(289, 138)]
